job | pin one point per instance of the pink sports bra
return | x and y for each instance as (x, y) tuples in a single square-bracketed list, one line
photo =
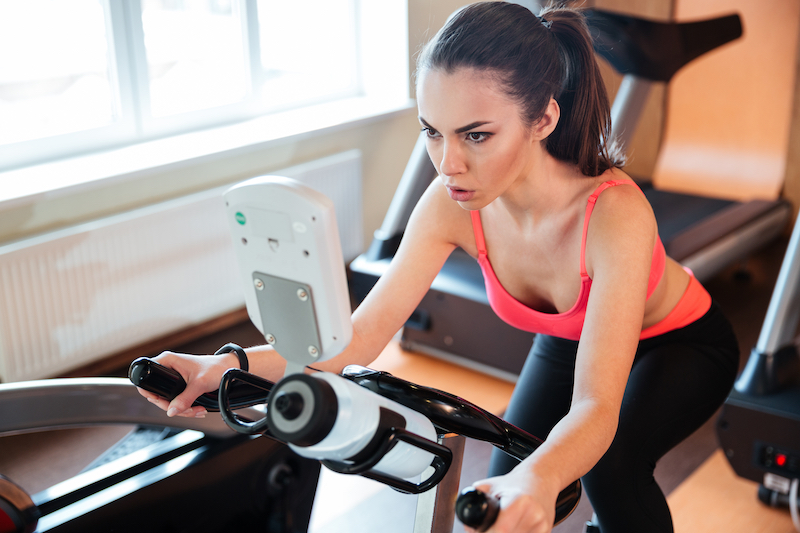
[(567, 325)]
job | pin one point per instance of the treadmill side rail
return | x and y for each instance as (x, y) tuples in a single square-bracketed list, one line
[(31, 406)]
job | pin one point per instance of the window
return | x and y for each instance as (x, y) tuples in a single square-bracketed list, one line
[(58, 79), (316, 60), (91, 74), (195, 55)]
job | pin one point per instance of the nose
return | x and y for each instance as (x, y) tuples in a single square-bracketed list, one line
[(452, 160)]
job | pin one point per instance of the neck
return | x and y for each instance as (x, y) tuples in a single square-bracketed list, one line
[(548, 186)]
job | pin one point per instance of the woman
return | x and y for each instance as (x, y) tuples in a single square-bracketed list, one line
[(631, 354)]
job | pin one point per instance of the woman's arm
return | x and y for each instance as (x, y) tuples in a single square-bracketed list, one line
[(435, 227), (619, 250)]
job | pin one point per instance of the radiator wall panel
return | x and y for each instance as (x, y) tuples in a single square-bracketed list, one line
[(76, 295)]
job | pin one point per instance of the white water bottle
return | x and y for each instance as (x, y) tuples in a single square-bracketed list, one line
[(327, 417)]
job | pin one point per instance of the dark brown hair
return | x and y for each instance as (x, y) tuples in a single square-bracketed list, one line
[(535, 59)]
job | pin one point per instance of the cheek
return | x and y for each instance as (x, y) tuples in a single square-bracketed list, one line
[(501, 162), (516, 157)]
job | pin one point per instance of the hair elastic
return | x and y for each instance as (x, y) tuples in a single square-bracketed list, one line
[(545, 23)]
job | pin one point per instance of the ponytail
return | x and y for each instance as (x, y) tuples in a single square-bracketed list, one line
[(583, 132), (535, 59)]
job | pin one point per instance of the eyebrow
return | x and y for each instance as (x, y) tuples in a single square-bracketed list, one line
[(462, 129)]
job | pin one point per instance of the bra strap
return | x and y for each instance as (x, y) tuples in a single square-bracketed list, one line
[(589, 208), (477, 229)]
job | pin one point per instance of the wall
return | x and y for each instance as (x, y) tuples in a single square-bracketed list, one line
[(729, 112), (791, 190)]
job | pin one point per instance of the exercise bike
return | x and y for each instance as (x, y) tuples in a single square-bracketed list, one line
[(759, 425), (256, 466), (363, 421)]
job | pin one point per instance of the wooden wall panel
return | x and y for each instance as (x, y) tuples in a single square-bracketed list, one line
[(791, 186), (730, 111)]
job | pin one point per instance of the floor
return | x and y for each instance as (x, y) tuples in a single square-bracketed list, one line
[(352, 504), (714, 499)]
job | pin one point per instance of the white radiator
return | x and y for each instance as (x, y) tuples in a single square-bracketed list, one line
[(76, 295)]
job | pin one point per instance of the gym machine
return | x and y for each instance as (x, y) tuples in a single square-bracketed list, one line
[(363, 421), (205, 477), (454, 320), (263, 474), (759, 426), (360, 422), (199, 476)]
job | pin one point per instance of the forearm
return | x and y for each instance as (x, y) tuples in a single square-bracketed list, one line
[(573, 446)]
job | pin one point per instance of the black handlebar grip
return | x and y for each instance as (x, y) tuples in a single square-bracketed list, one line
[(164, 382), (476, 510), (167, 383), (158, 379)]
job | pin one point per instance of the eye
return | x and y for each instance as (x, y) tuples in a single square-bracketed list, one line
[(477, 137), (430, 132)]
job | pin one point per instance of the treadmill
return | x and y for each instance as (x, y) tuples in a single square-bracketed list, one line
[(454, 320), (759, 425), (195, 475)]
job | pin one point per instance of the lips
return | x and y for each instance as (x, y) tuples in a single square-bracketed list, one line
[(460, 195)]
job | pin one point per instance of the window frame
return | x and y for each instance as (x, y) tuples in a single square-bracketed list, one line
[(130, 79)]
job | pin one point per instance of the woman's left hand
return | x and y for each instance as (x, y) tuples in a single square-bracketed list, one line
[(527, 505)]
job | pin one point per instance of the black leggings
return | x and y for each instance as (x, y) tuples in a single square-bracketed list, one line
[(677, 382)]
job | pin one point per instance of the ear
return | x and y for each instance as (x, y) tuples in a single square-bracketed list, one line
[(545, 125)]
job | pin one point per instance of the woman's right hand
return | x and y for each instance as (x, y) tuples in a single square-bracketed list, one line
[(201, 373)]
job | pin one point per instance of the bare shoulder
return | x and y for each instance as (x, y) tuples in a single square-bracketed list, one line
[(623, 203), (622, 227), (437, 217)]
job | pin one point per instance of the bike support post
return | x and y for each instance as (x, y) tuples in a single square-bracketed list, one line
[(436, 507)]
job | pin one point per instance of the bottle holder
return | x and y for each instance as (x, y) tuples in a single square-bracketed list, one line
[(440, 463), (443, 457), (243, 425)]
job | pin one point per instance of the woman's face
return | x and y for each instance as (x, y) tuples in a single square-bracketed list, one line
[(476, 138)]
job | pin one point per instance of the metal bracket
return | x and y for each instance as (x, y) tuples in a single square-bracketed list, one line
[(288, 318)]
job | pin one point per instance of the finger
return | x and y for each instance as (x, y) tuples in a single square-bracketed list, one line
[(482, 485), (176, 408), (182, 403), (146, 394), (159, 402), (163, 357), (194, 412), (521, 517), (507, 521)]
